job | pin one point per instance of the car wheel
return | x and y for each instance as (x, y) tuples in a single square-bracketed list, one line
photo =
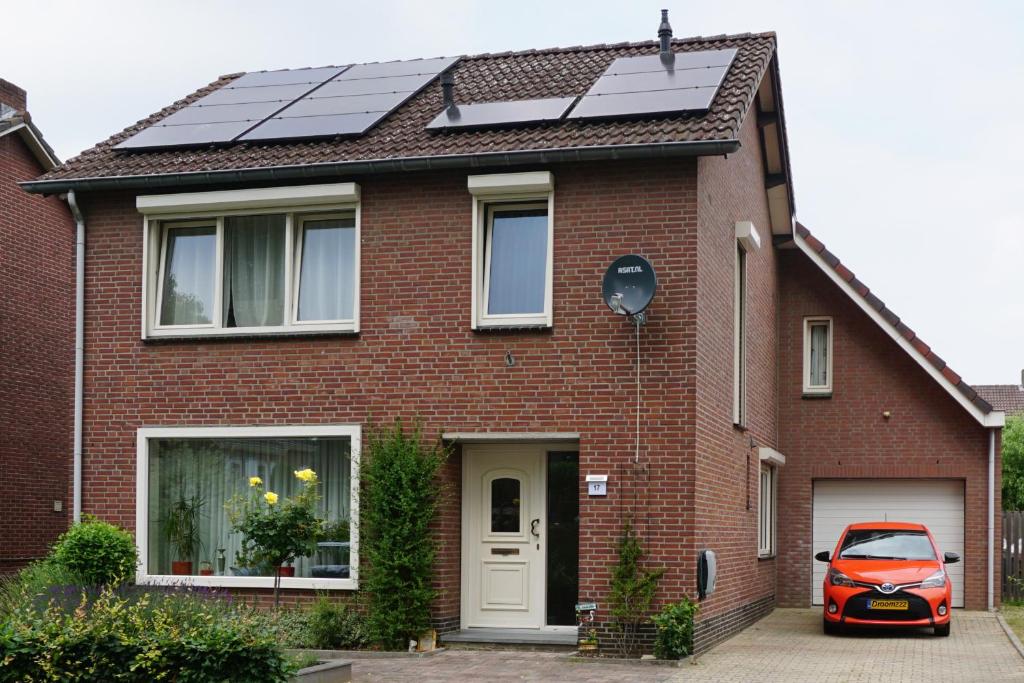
[(829, 627), (943, 630)]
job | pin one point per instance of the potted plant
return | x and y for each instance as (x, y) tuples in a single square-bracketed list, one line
[(180, 528), (589, 643), (205, 568), (277, 530)]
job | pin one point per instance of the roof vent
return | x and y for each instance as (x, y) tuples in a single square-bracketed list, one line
[(448, 90), (665, 36)]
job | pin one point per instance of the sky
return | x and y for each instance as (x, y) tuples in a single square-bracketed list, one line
[(904, 118)]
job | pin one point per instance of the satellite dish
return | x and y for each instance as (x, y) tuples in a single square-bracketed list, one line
[(629, 285)]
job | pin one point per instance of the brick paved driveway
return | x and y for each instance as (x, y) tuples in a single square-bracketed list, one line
[(786, 646)]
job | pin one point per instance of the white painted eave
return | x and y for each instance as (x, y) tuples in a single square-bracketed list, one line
[(993, 419), (38, 148)]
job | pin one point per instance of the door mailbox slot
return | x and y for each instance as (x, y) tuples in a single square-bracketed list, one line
[(504, 551), (597, 484)]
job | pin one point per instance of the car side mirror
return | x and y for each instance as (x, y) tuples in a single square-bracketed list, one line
[(951, 558), (823, 556)]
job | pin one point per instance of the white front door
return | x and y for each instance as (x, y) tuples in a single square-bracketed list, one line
[(503, 536)]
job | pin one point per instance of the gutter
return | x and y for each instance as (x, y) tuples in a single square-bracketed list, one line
[(79, 348), (401, 164), (991, 517)]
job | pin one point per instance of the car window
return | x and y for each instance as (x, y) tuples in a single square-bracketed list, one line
[(884, 544)]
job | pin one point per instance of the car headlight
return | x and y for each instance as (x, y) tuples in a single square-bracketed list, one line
[(936, 580), (837, 578)]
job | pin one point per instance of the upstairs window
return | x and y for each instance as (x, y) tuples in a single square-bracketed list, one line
[(748, 241), (512, 245), (263, 270), (818, 356)]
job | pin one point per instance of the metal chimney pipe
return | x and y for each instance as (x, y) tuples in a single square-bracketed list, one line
[(448, 89), (665, 34)]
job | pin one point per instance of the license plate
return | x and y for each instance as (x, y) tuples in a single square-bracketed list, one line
[(889, 604)]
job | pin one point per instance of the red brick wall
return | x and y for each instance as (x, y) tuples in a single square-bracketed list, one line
[(928, 435), (417, 356), (36, 357), (730, 190), (13, 97)]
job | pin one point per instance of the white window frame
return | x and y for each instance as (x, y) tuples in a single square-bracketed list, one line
[(767, 550), (298, 204), (508, 191), (145, 434), (810, 322)]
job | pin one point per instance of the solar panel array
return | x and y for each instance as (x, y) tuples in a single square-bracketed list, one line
[(351, 102), (648, 85), (498, 114), (290, 104)]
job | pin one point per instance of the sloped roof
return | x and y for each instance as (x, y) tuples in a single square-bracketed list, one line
[(558, 72), (21, 123), (966, 395), (1008, 398)]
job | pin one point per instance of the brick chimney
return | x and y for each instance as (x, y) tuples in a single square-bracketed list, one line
[(13, 96)]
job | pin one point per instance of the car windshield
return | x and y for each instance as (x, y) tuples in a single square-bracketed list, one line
[(886, 544)]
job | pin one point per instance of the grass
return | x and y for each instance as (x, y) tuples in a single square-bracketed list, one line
[(1014, 615)]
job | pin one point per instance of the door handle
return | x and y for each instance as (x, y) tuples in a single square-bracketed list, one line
[(533, 527)]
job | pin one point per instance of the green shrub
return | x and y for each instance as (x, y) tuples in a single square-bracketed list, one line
[(132, 635), (632, 592), (674, 626), (99, 553), (398, 505), (336, 626), (38, 581)]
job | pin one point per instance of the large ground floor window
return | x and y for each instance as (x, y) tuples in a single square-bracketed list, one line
[(188, 475)]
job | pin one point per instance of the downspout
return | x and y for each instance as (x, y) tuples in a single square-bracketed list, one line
[(991, 517), (79, 348)]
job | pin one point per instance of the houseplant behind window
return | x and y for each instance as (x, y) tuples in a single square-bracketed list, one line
[(180, 528)]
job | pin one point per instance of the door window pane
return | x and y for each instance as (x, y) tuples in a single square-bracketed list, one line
[(517, 268), (194, 478), (254, 270), (819, 355), (327, 281), (505, 504), (563, 537), (189, 272)]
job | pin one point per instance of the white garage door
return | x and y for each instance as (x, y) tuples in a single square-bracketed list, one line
[(938, 504)]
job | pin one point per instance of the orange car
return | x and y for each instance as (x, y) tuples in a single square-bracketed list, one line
[(887, 574)]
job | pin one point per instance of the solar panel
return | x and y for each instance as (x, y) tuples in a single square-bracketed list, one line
[(499, 114), (641, 86), (228, 112), (293, 103), (352, 102)]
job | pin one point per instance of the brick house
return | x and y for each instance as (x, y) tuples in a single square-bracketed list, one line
[(36, 351), (1008, 398), (262, 281)]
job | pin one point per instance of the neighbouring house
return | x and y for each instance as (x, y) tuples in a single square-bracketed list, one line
[(36, 342), (1009, 398), (282, 257)]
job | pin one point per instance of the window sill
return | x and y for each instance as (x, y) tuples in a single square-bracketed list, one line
[(498, 329), (769, 556), (248, 582), (813, 395), (245, 336)]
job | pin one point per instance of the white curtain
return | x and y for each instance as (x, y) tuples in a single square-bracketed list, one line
[(254, 270), (327, 282), (819, 355), (213, 470), (189, 275), (518, 262)]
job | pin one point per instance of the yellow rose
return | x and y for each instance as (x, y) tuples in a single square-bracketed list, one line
[(255, 481), (270, 497), (306, 475)]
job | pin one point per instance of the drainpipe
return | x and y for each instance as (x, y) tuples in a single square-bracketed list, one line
[(79, 348), (991, 517)]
